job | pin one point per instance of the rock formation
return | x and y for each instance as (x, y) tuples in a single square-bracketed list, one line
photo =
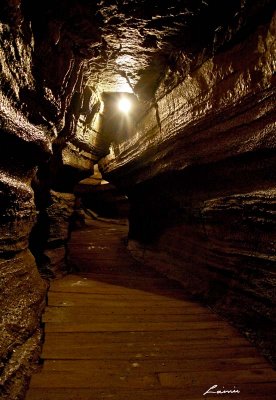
[(196, 159), (201, 184)]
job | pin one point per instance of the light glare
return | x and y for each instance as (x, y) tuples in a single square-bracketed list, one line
[(124, 105)]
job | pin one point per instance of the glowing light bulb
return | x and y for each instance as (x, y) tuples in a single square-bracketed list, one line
[(124, 105)]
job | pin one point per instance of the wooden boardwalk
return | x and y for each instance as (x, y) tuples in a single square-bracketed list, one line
[(114, 331)]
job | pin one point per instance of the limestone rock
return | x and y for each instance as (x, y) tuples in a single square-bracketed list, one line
[(22, 290), (51, 233), (22, 297), (199, 175), (205, 118)]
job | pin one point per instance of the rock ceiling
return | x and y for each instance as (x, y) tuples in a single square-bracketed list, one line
[(129, 44)]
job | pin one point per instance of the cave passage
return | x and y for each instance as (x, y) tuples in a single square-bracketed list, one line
[(115, 330), (137, 240)]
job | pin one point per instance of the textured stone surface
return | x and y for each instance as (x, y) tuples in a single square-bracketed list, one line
[(201, 184), (22, 291), (22, 301), (50, 234), (141, 40), (207, 117), (30, 117)]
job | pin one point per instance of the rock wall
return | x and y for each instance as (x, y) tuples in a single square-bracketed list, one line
[(33, 104), (22, 291), (22, 144), (200, 177), (49, 237)]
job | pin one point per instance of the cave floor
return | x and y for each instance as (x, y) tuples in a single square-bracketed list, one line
[(114, 330)]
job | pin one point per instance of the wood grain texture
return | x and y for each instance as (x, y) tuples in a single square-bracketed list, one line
[(115, 339)]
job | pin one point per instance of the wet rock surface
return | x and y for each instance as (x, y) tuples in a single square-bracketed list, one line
[(30, 119), (49, 236), (22, 291), (224, 109), (22, 302), (200, 180)]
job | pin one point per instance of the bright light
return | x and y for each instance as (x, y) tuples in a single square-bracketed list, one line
[(124, 105)]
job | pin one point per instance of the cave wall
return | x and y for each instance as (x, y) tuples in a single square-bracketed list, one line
[(43, 95), (22, 291), (51, 232), (200, 177), (34, 98)]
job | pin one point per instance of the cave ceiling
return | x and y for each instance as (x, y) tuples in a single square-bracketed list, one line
[(130, 45)]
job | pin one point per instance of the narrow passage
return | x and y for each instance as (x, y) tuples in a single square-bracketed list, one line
[(117, 331)]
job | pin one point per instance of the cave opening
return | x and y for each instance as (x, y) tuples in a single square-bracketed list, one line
[(137, 199), (120, 115)]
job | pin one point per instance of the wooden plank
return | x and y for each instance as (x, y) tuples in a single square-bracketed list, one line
[(125, 333), (128, 310), (69, 314), (84, 285), (135, 326), (133, 282), (104, 394), (130, 379), (163, 365), (112, 289), (99, 379), (126, 295), (209, 336), (128, 277), (261, 392), (183, 379), (55, 299), (86, 299), (107, 394), (131, 351)]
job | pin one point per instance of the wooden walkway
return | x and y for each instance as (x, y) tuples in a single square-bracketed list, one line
[(114, 331)]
